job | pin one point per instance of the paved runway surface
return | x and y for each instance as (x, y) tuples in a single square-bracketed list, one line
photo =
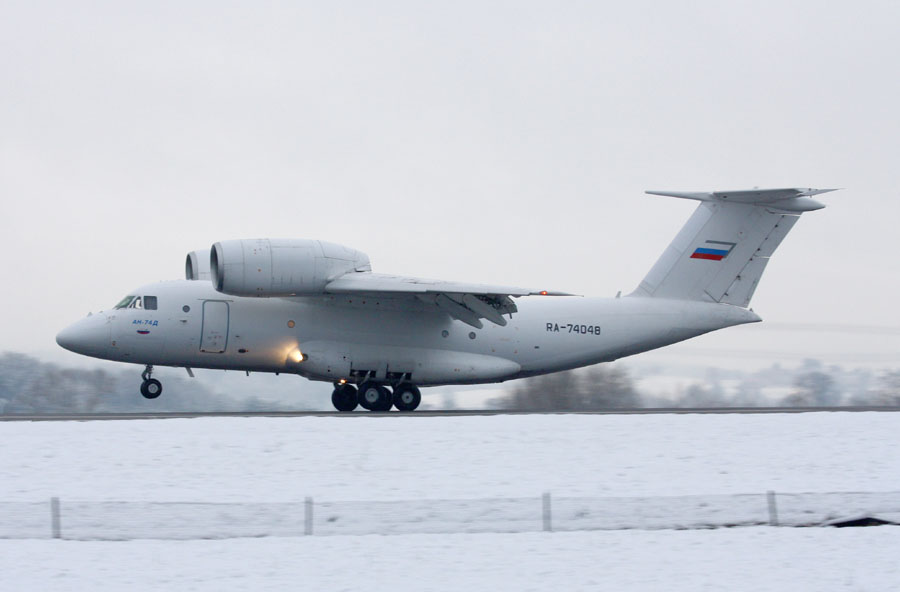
[(430, 413)]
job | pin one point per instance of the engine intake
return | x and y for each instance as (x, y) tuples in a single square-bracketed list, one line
[(280, 267), (196, 266)]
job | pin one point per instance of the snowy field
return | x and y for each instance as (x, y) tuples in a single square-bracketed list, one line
[(736, 560), (383, 458), (362, 460)]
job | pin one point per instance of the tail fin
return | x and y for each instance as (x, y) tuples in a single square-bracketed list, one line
[(720, 254)]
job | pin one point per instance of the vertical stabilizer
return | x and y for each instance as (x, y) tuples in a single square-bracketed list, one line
[(722, 251)]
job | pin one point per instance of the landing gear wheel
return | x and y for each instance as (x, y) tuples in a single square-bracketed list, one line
[(344, 397), (374, 397), (151, 388), (407, 397), (388, 400)]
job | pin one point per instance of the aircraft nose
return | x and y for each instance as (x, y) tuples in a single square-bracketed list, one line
[(89, 336)]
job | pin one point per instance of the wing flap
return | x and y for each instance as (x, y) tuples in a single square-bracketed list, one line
[(383, 283), (464, 302)]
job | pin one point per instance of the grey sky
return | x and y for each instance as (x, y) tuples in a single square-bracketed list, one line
[(503, 142)]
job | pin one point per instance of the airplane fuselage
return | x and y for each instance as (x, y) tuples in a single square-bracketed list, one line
[(338, 337)]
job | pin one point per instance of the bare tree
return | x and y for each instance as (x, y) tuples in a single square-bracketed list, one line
[(888, 391), (595, 388), (813, 389), (698, 395)]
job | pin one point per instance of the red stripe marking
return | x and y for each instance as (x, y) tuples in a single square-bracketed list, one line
[(707, 256)]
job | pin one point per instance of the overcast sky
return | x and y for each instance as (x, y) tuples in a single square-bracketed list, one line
[(494, 142)]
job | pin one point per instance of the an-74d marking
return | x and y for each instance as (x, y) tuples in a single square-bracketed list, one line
[(316, 309)]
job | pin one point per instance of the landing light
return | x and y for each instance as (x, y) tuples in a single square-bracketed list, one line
[(298, 356)]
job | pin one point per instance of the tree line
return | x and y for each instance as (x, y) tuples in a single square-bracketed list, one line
[(30, 386), (611, 387)]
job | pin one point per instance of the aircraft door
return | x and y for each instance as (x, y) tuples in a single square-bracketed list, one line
[(214, 329)]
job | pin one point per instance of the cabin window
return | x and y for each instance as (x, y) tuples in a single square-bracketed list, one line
[(149, 302)]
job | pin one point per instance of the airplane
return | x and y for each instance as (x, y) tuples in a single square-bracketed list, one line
[(317, 309)]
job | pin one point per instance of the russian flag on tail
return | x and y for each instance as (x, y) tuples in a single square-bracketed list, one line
[(713, 250)]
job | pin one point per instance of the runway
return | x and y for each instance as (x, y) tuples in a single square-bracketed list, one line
[(438, 413)]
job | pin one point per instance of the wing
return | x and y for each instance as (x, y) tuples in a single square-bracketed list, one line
[(464, 302)]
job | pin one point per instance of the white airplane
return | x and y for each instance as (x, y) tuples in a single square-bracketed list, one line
[(316, 309)]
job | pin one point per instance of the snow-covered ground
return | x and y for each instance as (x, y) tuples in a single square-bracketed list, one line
[(383, 458), (362, 459), (737, 560)]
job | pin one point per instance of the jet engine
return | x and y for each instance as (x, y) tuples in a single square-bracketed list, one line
[(280, 267), (196, 266)]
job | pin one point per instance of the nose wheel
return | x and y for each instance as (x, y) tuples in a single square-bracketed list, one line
[(150, 388)]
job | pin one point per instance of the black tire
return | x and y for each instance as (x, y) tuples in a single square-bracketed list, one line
[(374, 397), (407, 397), (387, 400), (151, 388), (344, 397)]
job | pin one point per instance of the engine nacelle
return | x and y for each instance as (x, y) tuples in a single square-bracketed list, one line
[(280, 267), (196, 266)]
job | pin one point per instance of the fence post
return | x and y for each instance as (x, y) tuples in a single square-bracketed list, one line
[(308, 516), (55, 528), (548, 518), (773, 508)]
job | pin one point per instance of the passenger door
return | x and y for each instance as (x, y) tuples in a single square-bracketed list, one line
[(214, 329)]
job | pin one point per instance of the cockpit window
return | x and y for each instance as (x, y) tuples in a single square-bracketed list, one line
[(138, 302), (124, 302)]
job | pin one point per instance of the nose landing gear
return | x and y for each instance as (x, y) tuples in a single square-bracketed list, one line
[(150, 388)]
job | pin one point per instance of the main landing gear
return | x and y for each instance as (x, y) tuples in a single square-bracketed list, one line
[(407, 397), (375, 397), (150, 388), (344, 397)]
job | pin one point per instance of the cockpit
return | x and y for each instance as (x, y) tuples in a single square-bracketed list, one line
[(138, 302)]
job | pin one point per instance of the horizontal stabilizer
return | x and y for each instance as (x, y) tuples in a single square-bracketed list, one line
[(784, 200)]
